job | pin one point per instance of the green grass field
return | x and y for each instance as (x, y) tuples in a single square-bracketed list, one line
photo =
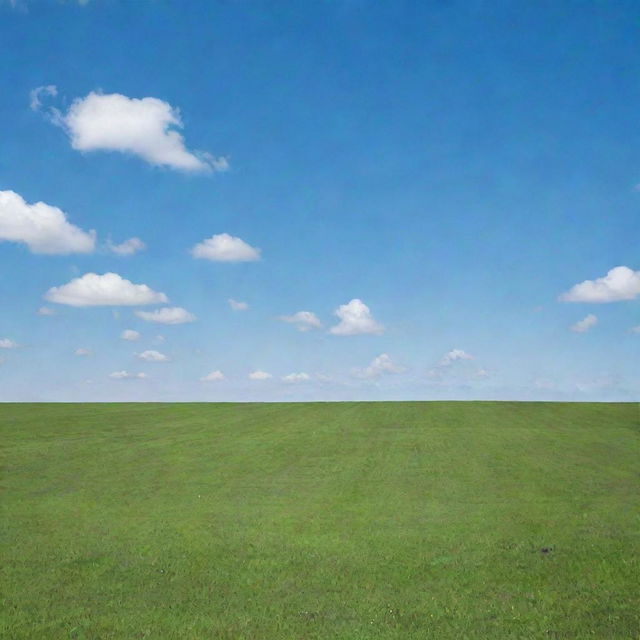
[(321, 520)]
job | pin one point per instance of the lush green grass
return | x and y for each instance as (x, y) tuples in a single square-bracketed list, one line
[(350, 520)]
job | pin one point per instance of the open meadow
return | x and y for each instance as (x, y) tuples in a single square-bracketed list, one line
[(404, 520)]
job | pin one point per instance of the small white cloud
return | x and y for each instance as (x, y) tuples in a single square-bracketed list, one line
[(296, 377), (237, 306), (355, 318), (620, 283), (99, 290), (146, 127), (128, 247), (34, 96), (126, 375), (82, 352), (130, 334), (585, 324), (213, 377), (453, 355), (225, 248), (6, 343), (167, 315), (303, 320), (43, 228), (259, 375), (379, 365), (152, 356), (46, 311)]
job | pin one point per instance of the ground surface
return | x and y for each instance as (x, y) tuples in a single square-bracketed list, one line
[(321, 521)]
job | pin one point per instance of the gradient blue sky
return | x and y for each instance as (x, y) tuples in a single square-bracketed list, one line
[(457, 166)]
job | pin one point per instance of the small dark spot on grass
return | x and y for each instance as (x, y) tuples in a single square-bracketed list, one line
[(546, 549)]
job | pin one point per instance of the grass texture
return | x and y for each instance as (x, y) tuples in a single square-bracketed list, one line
[(354, 521)]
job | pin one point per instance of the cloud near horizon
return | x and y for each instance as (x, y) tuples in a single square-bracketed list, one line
[(214, 376), (585, 324), (303, 320), (379, 366), (167, 315), (128, 247), (152, 356), (126, 375)]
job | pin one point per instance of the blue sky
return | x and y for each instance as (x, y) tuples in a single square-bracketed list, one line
[(438, 173)]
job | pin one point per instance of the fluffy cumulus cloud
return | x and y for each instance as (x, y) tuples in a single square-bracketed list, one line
[(42, 227), (109, 289), (80, 351), (152, 356), (225, 248), (6, 343), (46, 311), (167, 315), (303, 320), (128, 247), (453, 355), (620, 283), (379, 366), (145, 127), (127, 375), (130, 334), (585, 324), (237, 306), (293, 378), (214, 376), (259, 375), (355, 318)]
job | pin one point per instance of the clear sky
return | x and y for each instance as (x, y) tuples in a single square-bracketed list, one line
[(449, 191)]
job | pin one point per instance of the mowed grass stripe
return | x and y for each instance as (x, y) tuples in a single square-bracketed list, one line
[(321, 520)]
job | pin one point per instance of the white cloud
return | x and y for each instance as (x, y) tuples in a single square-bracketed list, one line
[(82, 352), (99, 290), (225, 248), (355, 318), (585, 324), (620, 283), (296, 377), (152, 356), (146, 127), (303, 320), (259, 375), (6, 343), (379, 365), (453, 355), (130, 334), (128, 247), (126, 375), (46, 311), (34, 96), (43, 228), (237, 306), (167, 315), (213, 377)]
